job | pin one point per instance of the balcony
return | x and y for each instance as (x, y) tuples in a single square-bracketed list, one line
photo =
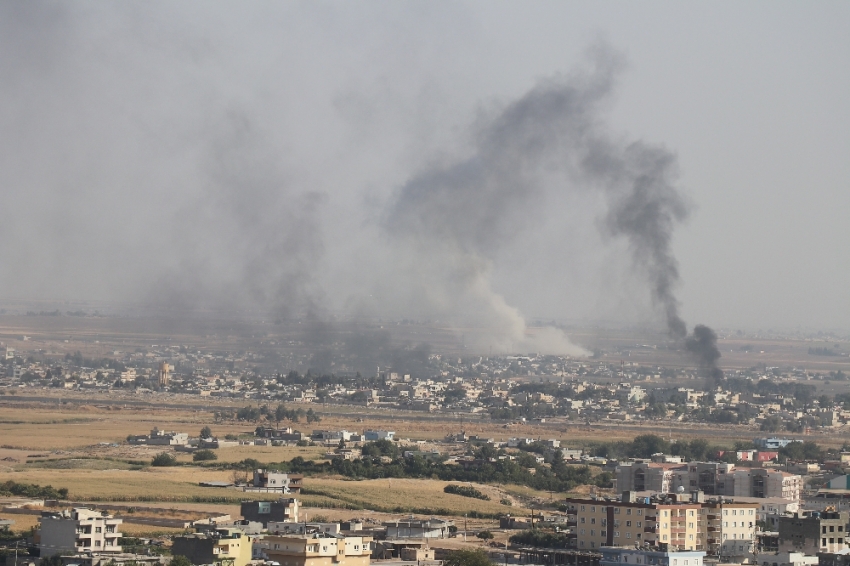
[(650, 529)]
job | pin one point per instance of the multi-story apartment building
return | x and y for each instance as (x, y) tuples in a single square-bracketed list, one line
[(318, 549), (78, 530), (666, 523), (730, 528), (814, 532), (712, 478), (762, 482)]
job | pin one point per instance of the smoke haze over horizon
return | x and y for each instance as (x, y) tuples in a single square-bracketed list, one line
[(392, 161)]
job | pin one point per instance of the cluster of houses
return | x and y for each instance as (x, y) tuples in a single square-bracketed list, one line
[(274, 532), (588, 390)]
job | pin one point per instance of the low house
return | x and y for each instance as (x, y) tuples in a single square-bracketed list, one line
[(228, 545), (267, 512), (416, 528)]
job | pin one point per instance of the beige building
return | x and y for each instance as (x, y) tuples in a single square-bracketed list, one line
[(730, 528), (318, 549), (667, 523), (78, 530), (227, 547)]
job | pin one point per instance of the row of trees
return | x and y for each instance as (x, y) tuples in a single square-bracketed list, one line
[(265, 413), (380, 459)]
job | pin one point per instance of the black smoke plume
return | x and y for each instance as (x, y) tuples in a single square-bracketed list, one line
[(702, 345)]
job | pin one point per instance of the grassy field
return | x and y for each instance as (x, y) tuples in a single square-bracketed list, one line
[(398, 495)]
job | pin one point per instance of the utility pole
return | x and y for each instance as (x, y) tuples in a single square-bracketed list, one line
[(464, 527)]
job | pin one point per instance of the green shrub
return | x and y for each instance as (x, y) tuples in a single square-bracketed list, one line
[(204, 456), (164, 459)]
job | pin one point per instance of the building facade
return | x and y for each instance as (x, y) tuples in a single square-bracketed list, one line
[(225, 547), (620, 556), (318, 549), (666, 523), (814, 532), (284, 510), (78, 530)]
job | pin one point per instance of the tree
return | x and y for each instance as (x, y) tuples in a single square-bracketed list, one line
[(206, 432), (164, 459), (180, 560), (485, 535), (204, 456), (468, 558)]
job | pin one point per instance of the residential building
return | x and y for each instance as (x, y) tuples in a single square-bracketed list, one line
[(666, 523), (224, 546), (372, 435), (416, 528), (272, 480), (618, 556), (265, 512), (318, 549), (814, 532), (787, 559), (712, 478), (730, 528), (763, 482), (78, 530)]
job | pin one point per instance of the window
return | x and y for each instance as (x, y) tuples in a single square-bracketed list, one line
[(629, 511), (628, 524), (97, 529), (663, 537), (616, 534), (840, 540), (751, 511), (603, 533), (831, 529), (593, 509), (831, 541), (581, 543), (582, 532), (582, 520), (640, 511), (638, 524), (823, 542), (690, 513), (616, 510), (823, 529), (582, 507), (592, 533), (628, 535), (593, 520)]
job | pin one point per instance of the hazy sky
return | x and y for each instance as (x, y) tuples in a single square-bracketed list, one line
[(266, 155)]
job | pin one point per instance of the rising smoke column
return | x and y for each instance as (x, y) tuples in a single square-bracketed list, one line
[(702, 345), (459, 215)]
